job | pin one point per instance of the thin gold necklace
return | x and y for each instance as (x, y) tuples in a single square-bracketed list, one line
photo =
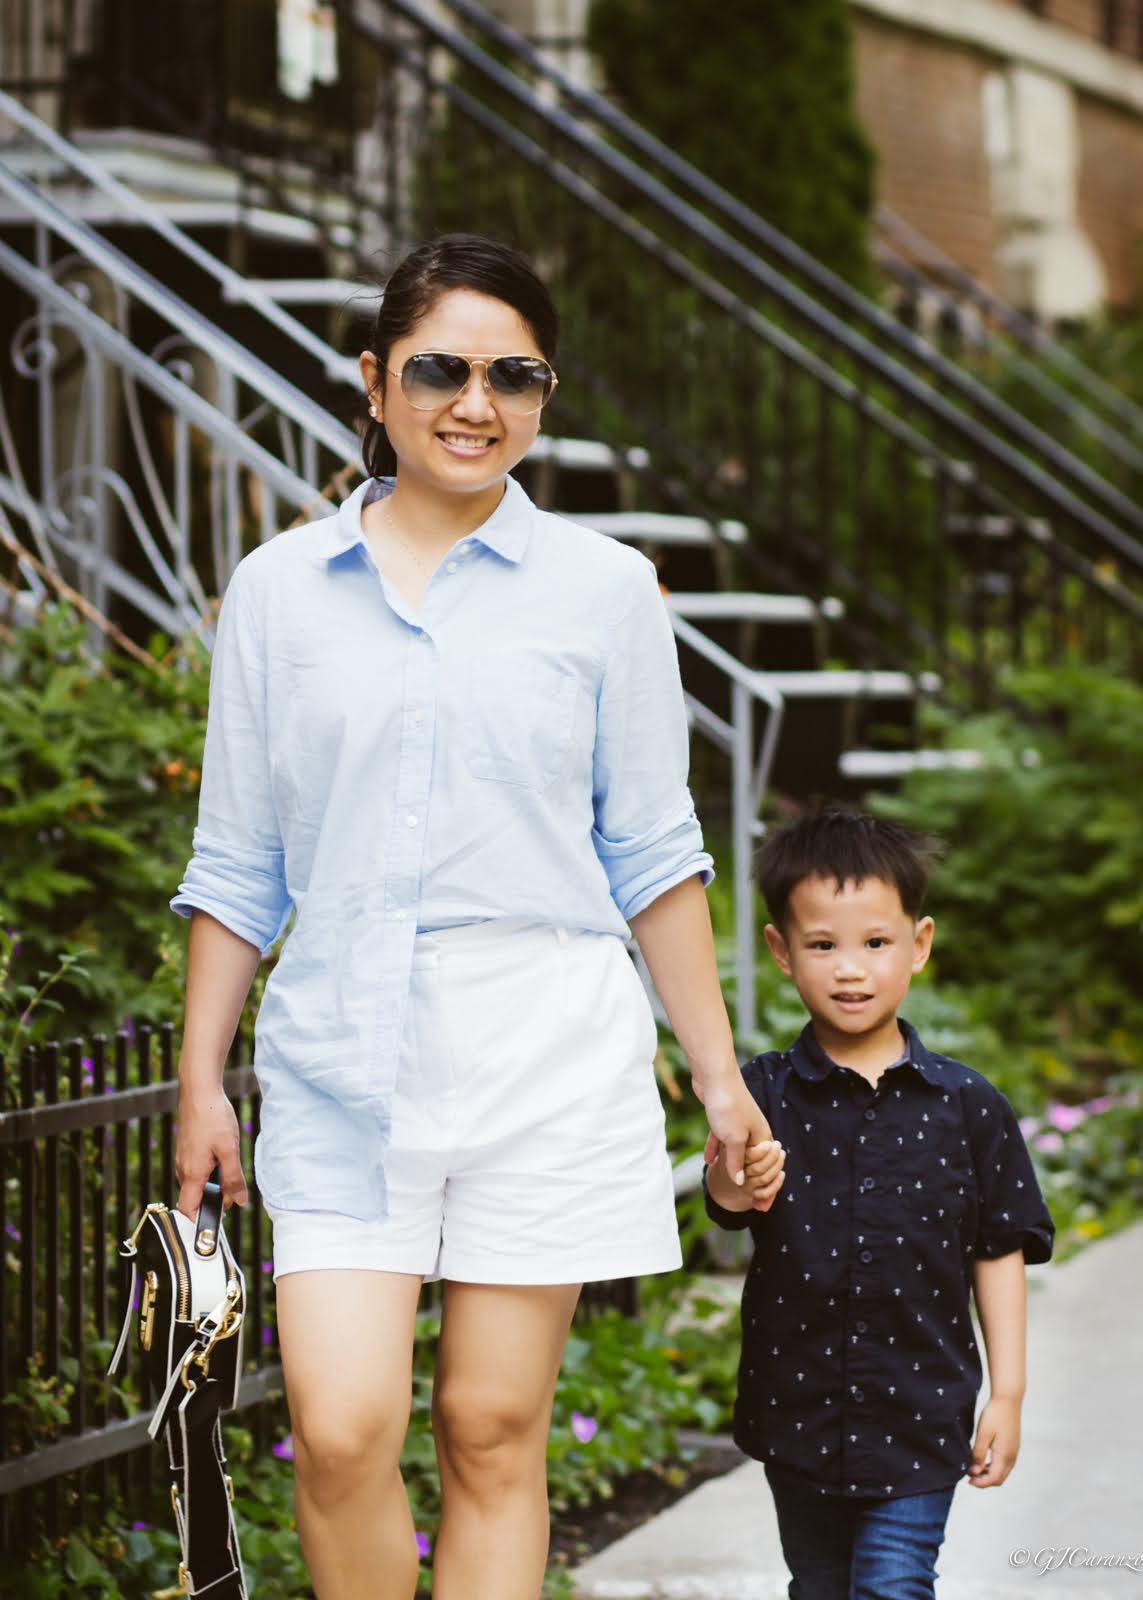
[(388, 516)]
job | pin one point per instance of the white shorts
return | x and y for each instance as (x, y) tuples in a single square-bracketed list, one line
[(527, 1140)]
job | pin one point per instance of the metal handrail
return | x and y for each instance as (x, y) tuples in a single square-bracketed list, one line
[(234, 286), (227, 352), (947, 372), (906, 383), (750, 778), (1036, 374), (1022, 327)]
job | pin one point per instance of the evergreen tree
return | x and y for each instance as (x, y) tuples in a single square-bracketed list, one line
[(758, 94)]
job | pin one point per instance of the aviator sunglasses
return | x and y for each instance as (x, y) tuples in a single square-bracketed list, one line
[(519, 384)]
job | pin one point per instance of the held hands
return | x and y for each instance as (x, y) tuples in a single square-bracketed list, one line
[(996, 1445), (741, 1151), (207, 1136)]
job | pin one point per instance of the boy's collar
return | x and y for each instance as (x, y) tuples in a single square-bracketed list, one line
[(813, 1064)]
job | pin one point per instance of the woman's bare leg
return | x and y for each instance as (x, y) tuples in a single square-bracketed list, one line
[(496, 1375), (347, 1354)]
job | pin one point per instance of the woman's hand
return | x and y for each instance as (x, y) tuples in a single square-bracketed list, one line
[(207, 1137), (736, 1121)]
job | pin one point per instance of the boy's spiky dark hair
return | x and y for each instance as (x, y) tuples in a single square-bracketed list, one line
[(844, 844)]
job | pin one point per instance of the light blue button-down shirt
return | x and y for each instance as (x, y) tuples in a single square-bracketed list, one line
[(516, 747)]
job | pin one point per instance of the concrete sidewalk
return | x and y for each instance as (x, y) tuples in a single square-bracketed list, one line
[(1078, 1483)]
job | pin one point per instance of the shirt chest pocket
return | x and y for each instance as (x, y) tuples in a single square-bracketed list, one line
[(518, 716)]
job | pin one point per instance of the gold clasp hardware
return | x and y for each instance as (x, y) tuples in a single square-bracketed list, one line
[(180, 1588), (204, 1244), (156, 1205), (227, 1328), (147, 1309)]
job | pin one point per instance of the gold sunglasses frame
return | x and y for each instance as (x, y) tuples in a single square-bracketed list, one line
[(473, 363)]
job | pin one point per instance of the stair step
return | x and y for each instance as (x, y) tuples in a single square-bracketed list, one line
[(586, 455), (899, 763), (302, 291), (726, 605), (657, 527), (997, 526), (838, 684)]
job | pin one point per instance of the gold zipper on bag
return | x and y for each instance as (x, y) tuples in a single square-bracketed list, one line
[(147, 1309), (182, 1309)]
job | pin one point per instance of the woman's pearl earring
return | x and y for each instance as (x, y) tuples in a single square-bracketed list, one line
[(372, 411)]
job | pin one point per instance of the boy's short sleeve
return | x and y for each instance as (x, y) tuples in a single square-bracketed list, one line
[(732, 1221), (737, 1221), (1013, 1215)]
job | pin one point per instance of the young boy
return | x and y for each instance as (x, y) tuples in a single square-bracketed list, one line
[(907, 1185)]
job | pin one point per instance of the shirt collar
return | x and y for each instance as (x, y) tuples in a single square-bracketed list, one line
[(812, 1063), (506, 531)]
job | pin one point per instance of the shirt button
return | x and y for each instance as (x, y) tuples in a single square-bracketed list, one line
[(860, 1327), (411, 820), (867, 1183), (859, 1395), (871, 1116), (464, 548), (450, 566), (866, 1256)]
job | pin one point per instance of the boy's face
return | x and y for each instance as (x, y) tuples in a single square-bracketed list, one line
[(851, 952)]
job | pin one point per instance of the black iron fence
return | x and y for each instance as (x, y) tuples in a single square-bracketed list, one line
[(86, 1139)]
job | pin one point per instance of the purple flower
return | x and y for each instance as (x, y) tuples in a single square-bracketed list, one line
[(128, 1027), (268, 1266), (137, 1527), (267, 1336), (248, 1127), (1049, 1143), (424, 1545), (12, 1231), (1065, 1118), (284, 1449), (1028, 1126), (88, 1066), (1101, 1103), (583, 1427)]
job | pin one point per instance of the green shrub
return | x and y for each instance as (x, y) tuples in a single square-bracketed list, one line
[(760, 99)]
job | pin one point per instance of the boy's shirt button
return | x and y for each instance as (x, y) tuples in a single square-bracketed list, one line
[(861, 1327), (867, 1183), (867, 1256), (871, 1116)]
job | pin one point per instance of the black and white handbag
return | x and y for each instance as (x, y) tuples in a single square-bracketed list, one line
[(188, 1324)]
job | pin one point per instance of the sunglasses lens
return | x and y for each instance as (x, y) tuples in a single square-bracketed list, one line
[(432, 379), (521, 383)]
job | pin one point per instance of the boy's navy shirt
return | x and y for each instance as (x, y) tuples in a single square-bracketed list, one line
[(860, 1368)]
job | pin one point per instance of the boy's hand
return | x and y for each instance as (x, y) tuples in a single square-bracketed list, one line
[(996, 1445), (765, 1173)]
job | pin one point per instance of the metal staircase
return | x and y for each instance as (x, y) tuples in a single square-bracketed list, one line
[(122, 391), (842, 494)]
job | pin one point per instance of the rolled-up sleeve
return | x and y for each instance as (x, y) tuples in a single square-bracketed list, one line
[(237, 870), (645, 832)]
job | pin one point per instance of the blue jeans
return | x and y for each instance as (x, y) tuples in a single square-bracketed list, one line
[(862, 1549)]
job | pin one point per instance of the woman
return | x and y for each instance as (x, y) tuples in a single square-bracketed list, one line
[(448, 730)]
